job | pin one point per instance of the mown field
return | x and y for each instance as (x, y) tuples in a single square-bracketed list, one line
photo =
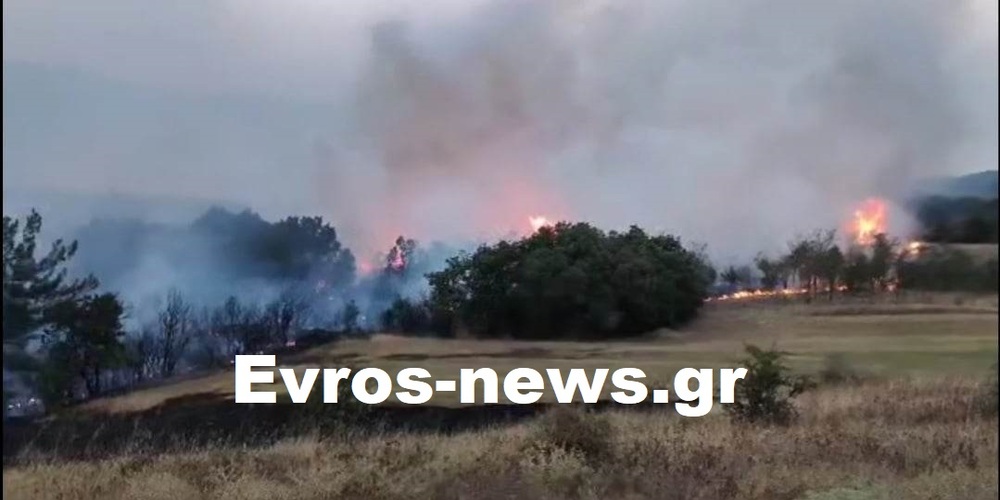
[(909, 423)]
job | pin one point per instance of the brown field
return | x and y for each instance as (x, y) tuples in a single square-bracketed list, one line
[(918, 334), (912, 427)]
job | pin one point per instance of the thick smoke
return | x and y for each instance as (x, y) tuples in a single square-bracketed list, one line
[(736, 124)]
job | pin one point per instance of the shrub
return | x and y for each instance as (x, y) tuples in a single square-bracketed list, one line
[(765, 394), (574, 429), (986, 401), (407, 316)]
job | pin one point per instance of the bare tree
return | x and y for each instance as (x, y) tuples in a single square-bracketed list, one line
[(175, 332), (283, 315), (143, 356), (813, 258)]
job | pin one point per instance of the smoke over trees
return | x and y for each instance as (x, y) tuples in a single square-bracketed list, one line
[(566, 281), (432, 120), (219, 254)]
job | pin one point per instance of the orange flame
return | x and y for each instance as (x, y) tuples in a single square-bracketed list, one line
[(759, 294), (869, 220)]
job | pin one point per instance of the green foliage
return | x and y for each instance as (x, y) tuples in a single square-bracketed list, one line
[(870, 268), (304, 247), (947, 269), (774, 273), (572, 280), (85, 340), (857, 270), (765, 394), (958, 220), (883, 256), (350, 316), (32, 286), (406, 316), (56, 385)]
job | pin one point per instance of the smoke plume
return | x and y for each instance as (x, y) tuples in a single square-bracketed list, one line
[(736, 124)]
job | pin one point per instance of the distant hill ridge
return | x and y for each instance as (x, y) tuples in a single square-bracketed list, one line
[(976, 185)]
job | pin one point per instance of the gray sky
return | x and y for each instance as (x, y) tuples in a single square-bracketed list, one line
[(732, 123)]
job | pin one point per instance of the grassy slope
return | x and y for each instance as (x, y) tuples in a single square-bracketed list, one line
[(912, 432), (920, 335)]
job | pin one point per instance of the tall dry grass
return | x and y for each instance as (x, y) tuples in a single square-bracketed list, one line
[(883, 439)]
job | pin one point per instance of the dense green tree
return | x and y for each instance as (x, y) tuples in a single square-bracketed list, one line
[(766, 393), (830, 266), (773, 272), (302, 248), (856, 273), (572, 280), (32, 286), (406, 316), (350, 317), (84, 340), (884, 252)]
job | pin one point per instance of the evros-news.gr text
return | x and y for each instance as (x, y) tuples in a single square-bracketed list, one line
[(693, 390)]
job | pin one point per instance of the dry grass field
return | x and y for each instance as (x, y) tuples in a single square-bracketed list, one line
[(912, 426), (914, 335)]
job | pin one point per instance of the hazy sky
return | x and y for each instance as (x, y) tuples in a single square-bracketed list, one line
[(724, 121)]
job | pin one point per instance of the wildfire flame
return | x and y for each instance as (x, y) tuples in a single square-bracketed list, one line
[(758, 294), (537, 222), (869, 220), (397, 262)]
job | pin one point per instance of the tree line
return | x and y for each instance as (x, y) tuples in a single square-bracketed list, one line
[(816, 264), (67, 340), (71, 340), (958, 220)]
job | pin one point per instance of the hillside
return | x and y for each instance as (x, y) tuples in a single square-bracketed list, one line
[(975, 185)]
